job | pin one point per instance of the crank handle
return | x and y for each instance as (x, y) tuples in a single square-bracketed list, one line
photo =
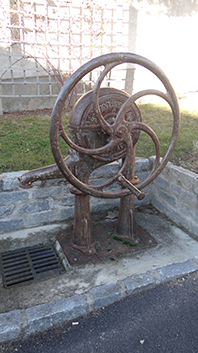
[(126, 183)]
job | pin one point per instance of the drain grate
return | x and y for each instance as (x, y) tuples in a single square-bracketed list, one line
[(29, 264)]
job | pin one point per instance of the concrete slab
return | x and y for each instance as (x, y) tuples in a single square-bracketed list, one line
[(85, 288)]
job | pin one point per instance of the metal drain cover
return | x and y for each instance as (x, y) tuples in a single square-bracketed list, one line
[(29, 265)]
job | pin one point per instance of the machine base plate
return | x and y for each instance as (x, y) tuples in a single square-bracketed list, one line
[(106, 246)]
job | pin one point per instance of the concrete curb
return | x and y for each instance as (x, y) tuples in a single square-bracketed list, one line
[(20, 323)]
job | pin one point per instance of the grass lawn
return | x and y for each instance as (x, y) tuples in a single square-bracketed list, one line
[(25, 145)]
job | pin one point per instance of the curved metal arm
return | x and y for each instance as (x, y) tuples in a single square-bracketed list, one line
[(118, 131), (105, 126)]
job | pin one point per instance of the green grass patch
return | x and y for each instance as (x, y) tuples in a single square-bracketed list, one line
[(25, 145), (160, 119)]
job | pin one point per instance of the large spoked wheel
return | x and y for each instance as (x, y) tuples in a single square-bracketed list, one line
[(121, 131)]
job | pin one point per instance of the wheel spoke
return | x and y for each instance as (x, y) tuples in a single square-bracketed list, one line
[(90, 151), (134, 97), (129, 152), (115, 131), (95, 100), (141, 126)]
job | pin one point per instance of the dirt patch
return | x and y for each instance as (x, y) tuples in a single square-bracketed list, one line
[(26, 114), (187, 160)]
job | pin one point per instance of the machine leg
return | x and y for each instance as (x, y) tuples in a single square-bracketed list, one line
[(126, 226), (83, 238)]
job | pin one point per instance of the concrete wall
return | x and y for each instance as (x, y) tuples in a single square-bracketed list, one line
[(49, 206)]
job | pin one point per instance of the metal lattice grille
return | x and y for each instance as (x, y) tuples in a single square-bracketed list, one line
[(29, 264), (42, 43)]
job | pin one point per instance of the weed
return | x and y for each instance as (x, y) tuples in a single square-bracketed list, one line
[(124, 241)]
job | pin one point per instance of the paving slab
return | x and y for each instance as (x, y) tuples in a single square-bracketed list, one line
[(37, 306)]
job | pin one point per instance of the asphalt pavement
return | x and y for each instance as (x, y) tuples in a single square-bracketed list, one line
[(160, 319)]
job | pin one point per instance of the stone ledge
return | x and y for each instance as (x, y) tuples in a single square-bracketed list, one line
[(46, 315), (137, 283), (105, 295), (10, 325), (176, 270)]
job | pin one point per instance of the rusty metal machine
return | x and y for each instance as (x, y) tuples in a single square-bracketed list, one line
[(104, 126)]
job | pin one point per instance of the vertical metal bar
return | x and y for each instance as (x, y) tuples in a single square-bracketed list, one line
[(92, 37), (11, 73), (22, 45), (46, 29), (58, 35), (1, 103), (24, 77), (98, 19), (20, 24), (70, 34), (102, 28), (111, 33), (132, 35), (119, 21), (34, 24), (126, 219), (50, 84), (46, 46), (80, 33), (37, 78), (35, 41)]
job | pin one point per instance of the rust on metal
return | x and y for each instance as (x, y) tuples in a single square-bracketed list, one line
[(107, 248), (104, 126)]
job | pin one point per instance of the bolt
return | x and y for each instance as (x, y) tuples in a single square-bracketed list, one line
[(121, 131)]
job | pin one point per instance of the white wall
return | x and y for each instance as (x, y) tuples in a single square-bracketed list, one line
[(170, 42)]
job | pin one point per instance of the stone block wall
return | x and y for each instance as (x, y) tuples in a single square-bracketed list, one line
[(50, 203), (175, 193)]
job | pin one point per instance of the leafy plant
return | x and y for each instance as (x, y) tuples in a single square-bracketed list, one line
[(124, 241)]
